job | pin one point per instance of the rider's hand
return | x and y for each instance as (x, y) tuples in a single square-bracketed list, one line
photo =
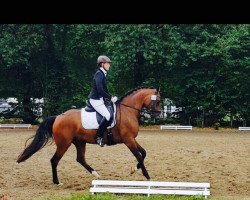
[(114, 99)]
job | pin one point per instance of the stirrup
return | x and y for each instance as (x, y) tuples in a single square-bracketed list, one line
[(100, 141)]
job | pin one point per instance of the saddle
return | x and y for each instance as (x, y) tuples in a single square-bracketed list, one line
[(109, 105)]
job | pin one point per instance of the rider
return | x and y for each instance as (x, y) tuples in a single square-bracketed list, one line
[(99, 94)]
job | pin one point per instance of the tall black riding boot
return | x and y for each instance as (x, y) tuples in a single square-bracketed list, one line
[(99, 134)]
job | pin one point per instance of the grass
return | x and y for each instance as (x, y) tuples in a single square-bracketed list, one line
[(107, 196)]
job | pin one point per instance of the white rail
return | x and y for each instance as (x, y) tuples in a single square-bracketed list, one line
[(150, 187), (165, 127), (15, 125), (244, 128)]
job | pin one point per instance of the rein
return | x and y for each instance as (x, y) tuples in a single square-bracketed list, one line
[(145, 111), (130, 107)]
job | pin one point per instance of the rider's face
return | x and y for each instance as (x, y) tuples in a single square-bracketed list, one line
[(106, 66)]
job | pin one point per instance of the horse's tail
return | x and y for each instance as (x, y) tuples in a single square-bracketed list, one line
[(41, 138)]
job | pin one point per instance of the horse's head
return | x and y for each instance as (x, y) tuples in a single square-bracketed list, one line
[(152, 103), (143, 97)]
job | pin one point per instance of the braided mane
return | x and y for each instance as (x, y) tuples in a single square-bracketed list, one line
[(131, 91)]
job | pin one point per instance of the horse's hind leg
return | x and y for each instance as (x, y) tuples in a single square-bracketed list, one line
[(81, 149), (61, 149)]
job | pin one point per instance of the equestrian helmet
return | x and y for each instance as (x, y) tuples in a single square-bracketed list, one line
[(103, 59)]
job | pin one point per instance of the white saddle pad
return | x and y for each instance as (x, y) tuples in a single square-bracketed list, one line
[(89, 120)]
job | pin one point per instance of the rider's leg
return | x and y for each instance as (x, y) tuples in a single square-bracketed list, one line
[(100, 132), (101, 108)]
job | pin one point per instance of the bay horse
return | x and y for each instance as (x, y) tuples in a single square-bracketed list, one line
[(66, 129)]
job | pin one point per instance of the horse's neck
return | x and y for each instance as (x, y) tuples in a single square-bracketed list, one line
[(136, 100), (133, 104)]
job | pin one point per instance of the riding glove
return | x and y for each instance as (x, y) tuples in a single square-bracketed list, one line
[(114, 99)]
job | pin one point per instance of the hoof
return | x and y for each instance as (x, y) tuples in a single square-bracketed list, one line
[(95, 174), (133, 170), (58, 183)]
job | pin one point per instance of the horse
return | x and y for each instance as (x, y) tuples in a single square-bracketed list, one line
[(66, 128)]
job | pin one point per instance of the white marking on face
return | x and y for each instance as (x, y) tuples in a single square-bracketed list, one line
[(153, 97)]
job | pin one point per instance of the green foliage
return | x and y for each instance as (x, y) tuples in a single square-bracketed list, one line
[(10, 121), (195, 65), (216, 125)]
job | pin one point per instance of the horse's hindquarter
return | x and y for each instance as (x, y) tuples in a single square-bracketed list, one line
[(69, 126)]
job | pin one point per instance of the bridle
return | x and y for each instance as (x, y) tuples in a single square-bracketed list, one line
[(152, 105), (151, 110)]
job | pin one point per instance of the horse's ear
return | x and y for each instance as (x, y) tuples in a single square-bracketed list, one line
[(157, 90)]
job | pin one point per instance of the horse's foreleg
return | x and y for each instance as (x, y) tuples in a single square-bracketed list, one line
[(143, 154), (81, 148), (132, 145), (55, 160)]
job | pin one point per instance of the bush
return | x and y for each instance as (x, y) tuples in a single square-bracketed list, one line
[(216, 125), (199, 122), (10, 120), (168, 120)]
